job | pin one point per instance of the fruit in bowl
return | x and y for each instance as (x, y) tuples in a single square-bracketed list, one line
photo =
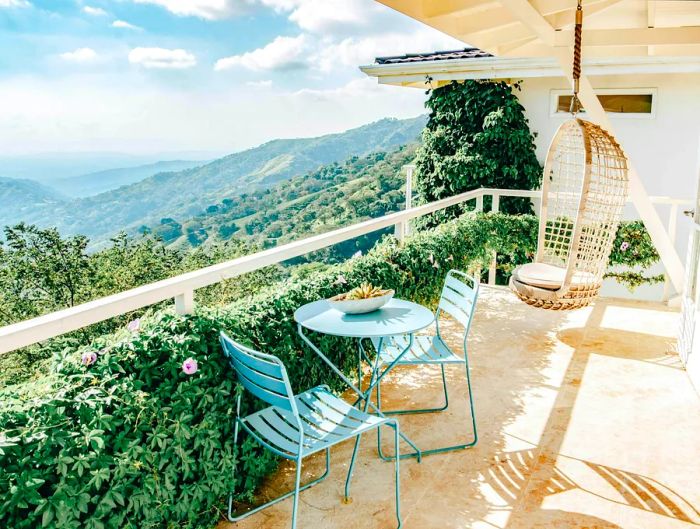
[(362, 299)]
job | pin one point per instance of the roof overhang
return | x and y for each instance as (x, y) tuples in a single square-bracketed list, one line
[(529, 28), (440, 72)]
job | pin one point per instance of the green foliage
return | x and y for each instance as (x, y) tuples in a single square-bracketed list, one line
[(633, 248), (336, 195), (476, 136), (42, 272), (131, 441)]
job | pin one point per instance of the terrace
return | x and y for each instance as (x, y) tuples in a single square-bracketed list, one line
[(586, 419)]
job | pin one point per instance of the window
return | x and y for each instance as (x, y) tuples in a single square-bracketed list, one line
[(631, 102)]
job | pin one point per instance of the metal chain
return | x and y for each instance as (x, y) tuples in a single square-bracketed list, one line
[(578, 29)]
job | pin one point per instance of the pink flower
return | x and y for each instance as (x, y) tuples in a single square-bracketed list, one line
[(134, 325), (624, 246), (89, 358), (189, 366)]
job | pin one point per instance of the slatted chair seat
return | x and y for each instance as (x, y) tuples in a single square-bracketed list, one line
[(327, 420), (425, 350)]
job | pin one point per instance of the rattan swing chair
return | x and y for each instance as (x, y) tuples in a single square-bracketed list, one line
[(584, 190)]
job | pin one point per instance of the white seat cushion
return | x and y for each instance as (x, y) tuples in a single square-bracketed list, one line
[(541, 275), (547, 276)]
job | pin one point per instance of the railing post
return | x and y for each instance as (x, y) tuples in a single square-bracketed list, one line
[(403, 228), (495, 206), (184, 303), (480, 203), (671, 227)]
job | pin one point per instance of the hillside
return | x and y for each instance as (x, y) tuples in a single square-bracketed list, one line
[(183, 194), (20, 198), (335, 195), (101, 181)]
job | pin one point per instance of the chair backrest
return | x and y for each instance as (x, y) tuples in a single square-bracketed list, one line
[(458, 298), (262, 375)]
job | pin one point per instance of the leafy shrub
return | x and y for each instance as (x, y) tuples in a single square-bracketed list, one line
[(633, 248), (476, 136)]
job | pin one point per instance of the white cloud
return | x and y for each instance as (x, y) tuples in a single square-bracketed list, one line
[(124, 25), (94, 11), (80, 55), (206, 9), (353, 52), (162, 58), (283, 53), (266, 83), (327, 16), (14, 3)]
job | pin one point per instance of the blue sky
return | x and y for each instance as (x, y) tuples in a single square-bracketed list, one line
[(181, 75)]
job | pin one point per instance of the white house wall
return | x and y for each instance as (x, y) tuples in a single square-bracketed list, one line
[(664, 146)]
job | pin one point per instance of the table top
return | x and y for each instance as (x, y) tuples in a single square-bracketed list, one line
[(396, 317)]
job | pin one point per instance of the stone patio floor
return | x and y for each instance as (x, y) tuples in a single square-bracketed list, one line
[(586, 420)]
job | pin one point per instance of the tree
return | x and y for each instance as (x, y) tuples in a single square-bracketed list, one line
[(477, 136), (42, 272)]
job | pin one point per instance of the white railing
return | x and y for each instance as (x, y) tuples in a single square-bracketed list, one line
[(181, 288)]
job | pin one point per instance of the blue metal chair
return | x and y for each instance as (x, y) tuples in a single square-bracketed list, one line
[(458, 299), (295, 427)]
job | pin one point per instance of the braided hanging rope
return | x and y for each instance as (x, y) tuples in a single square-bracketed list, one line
[(578, 31)]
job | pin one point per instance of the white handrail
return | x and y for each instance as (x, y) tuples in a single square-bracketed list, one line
[(60, 322), (181, 287)]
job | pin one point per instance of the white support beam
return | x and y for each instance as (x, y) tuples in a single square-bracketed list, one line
[(444, 9), (566, 19), (632, 37), (528, 15)]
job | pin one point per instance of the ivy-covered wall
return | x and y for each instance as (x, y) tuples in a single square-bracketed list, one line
[(476, 136)]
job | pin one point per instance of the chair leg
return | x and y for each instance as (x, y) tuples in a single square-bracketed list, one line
[(295, 505), (236, 518), (468, 444), (397, 474)]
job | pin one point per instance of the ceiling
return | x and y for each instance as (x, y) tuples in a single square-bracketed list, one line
[(531, 28)]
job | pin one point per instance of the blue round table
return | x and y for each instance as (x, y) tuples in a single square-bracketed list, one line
[(398, 317), (395, 318)]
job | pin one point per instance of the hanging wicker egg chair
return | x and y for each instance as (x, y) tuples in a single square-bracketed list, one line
[(584, 190)]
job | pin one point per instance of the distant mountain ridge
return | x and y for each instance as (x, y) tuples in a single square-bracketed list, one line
[(184, 194), (101, 181), (19, 199)]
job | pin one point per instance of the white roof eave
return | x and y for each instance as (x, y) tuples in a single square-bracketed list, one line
[(524, 68)]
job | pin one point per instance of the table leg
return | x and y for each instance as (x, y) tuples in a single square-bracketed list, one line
[(375, 379), (362, 395)]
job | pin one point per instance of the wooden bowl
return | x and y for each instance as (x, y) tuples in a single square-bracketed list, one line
[(361, 306)]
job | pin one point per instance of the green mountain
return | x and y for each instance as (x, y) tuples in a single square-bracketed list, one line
[(187, 193), (21, 198), (336, 195), (101, 181)]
